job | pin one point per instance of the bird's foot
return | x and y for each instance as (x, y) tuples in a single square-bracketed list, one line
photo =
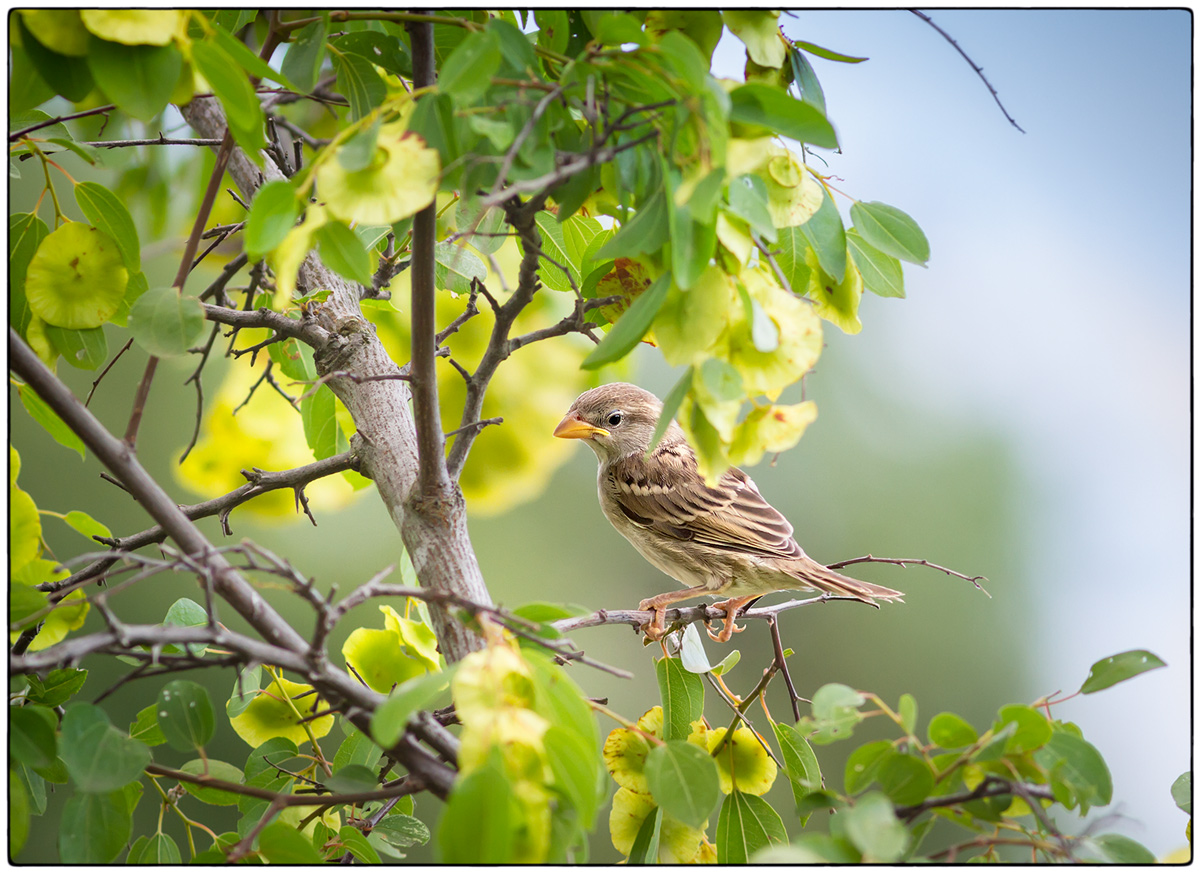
[(655, 628), (732, 607)]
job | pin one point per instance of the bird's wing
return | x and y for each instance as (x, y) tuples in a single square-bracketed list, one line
[(667, 494)]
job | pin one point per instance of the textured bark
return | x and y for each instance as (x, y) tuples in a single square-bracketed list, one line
[(434, 530)]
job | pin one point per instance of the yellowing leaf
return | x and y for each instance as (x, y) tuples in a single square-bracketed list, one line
[(759, 30), (518, 733), (490, 679), (689, 322), (793, 193), (770, 429), (400, 180), (734, 234), (625, 754), (67, 616), (627, 279), (834, 301), (375, 656), (76, 278), (135, 26), (287, 257), (677, 843), (747, 155), (24, 529), (277, 712), (743, 761), (417, 637), (799, 332), (59, 30)]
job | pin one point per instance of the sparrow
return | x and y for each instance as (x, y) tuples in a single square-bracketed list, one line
[(717, 540)]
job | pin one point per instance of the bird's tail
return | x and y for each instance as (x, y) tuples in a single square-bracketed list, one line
[(823, 579)]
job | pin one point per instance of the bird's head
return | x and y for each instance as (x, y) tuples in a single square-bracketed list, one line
[(615, 420)]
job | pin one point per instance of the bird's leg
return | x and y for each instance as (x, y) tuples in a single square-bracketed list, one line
[(732, 607), (655, 630)]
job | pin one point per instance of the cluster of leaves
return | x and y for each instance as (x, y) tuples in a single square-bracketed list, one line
[(1000, 785)]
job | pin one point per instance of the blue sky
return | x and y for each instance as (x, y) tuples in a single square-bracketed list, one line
[(1057, 309)]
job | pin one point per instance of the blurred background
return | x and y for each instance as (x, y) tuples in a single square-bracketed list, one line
[(1024, 414)]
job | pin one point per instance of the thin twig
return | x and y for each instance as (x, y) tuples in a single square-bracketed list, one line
[(974, 66), (903, 562), (108, 367)]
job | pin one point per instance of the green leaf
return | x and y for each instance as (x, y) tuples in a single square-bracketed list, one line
[(303, 58), (891, 231), (1120, 849), (862, 766), (671, 406), (165, 322), (343, 252), (828, 54), (1181, 792), (58, 687), (387, 724), (359, 151), (357, 748), (185, 612), (764, 106), (352, 778), (359, 83), (806, 80), (826, 234), (811, 849), (554, 246), (872, 827), (358, 846), (281, 843), (383, 50), (1107, 672), (577, 770), (480, 821), (185, 715), (747, 823), (106, 211), (160, 849), (68, 76), (145, 728), (881, 274), (835, 710), (19, 806), (467, 72), (455, 267), (248, 60), (139, 79), (1033, 729), (99, 758), (908, 713), (645, 845), (321, 430), (682, 697), (692, 246), (87, 526), (403, 831), (645, 233), (554, 29), (86, 349), (91, 154), (40, 412), (31, 737), (630, 327), (273, 213), (683, 780), (25, 234), (748, 200), (905, 779), (233, 89), (94, 828), (950, 731), (800, 764), (1078, 774), (559, 700)]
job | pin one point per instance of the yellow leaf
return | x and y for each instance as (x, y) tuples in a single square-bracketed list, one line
[(135, 26), (271, 715), (59, 30), (677, 843), (743, 761), (770, 429), (491, 679), (400, 181), (76, 278), (799, 338), (690, 322)]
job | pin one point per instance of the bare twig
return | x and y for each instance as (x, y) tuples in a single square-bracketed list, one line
[(108, 367), (903, 562), (974, 66), (25, 131)]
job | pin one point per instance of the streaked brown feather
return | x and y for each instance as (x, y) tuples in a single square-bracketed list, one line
[(667, 494)]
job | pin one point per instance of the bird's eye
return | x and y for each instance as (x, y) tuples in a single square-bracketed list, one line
[(614, 418)]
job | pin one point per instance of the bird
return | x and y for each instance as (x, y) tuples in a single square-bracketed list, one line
[(724, 539)]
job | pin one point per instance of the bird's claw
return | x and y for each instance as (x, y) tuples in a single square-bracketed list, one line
[(729, 627), (654, 629)]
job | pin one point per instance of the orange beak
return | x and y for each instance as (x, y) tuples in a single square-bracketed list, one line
[(572, 427)]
